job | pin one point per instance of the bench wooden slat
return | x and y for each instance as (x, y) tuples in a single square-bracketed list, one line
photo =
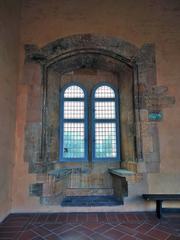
[(159, 198), (164, 197)]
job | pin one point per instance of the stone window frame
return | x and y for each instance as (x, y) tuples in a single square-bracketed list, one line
[(70, 53)]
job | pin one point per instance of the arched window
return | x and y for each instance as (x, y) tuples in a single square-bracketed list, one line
[(105, 123), (73, 144)]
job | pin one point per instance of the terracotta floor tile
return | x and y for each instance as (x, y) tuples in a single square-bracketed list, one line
[(173, 238), (52, 237), (158, 234), (81, 218), (84, 230), (38, 238), (84, 237), (90, 226), (103, 228), (92, 217), (121, 217), (114, 234), (52, 218), (128, 237), (112, 217), (70, 235), (8, 235), (52, 226), (72, 218), (125, 229), (63, 228), (27, 235), (102, 217), (41, 218), (98, 236), (41, 231), (141, 216), (144, 237), (10, 229), (132, 225), (15, 223), (131, 217), (62, 218), (145, 227), (93, 226)]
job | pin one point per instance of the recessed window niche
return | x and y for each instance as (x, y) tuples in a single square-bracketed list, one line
[(90, 61)]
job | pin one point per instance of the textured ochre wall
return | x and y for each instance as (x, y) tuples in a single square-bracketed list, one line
[(138, 22), (9, 58)]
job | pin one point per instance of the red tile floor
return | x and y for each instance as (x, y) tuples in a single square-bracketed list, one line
[(90, 226)]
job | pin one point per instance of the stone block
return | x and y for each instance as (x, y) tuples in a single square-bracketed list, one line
[(153, 167), (145, 129), (33, 146), (166, 101), (36, 189), (147, 144), (143, 115), (141, 167)]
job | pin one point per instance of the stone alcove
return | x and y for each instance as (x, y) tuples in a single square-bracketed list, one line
[(135, 74)]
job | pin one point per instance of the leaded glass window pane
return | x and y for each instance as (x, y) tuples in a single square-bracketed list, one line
[(74, 129), (105, 140), (105, 110), (104, 92), (73, 110), (105, 123), (73, 140), (74, 92)]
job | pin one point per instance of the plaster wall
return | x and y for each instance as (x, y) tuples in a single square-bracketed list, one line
[(138, 22), (135, 21), (9, 58)]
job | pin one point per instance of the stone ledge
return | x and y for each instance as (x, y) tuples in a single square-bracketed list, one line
[(130, 176), (60, 173)]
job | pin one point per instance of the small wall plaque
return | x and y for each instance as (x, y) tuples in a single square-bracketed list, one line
[(155, 116)]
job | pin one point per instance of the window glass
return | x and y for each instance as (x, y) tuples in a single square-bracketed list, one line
[(105, 122), (73, 130), (73, 92), (73, 140), (104, 92), (105, 110), (105, 135), (73, 110)]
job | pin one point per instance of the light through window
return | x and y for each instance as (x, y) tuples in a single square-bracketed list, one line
[(73, 124), (105, 124), (77, 122)]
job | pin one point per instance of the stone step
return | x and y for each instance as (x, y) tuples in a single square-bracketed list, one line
[(88, 191), (81, 201)]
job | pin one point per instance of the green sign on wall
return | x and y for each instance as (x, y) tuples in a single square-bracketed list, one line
[(155, 116)]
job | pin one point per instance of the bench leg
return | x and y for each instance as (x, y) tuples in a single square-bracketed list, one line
[(159, 208)]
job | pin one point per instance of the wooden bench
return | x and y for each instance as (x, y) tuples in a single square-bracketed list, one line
[(159, 198)]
